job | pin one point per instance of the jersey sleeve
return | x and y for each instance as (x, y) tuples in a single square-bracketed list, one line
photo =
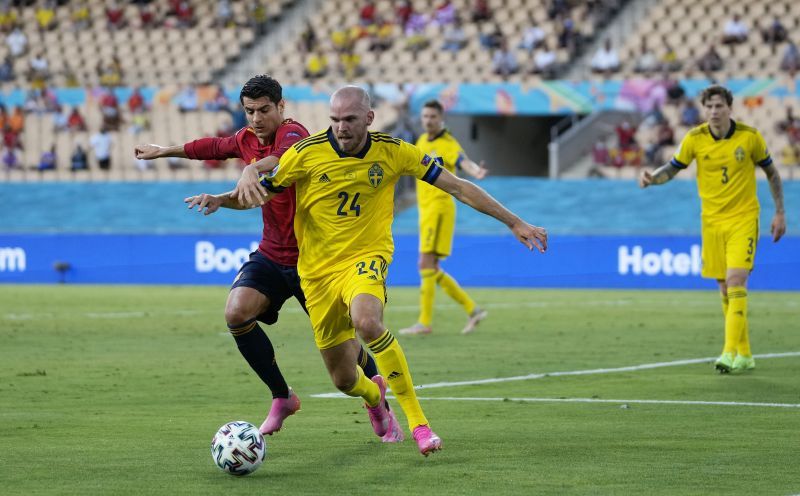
[(684, 154), (213, 148), (414, 162), (286, 136), (288, 171), (759, 151)]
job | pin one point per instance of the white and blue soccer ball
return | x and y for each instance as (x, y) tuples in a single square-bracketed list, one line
[(238, 448)]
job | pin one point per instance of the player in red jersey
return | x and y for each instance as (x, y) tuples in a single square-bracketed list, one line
[(270, 277)]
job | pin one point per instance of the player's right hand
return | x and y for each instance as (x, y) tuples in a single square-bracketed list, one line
[(531, 236), (148, 152), (203, 201), (645, 179), (248, 190)]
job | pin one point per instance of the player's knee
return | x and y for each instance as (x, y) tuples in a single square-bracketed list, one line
[(344, 382), (369, 327), (237, 314)]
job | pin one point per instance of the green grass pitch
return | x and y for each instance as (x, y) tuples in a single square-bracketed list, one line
[(118, 390)]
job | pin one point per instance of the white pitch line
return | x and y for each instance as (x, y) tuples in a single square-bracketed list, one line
[(629, 368), (624, 402)]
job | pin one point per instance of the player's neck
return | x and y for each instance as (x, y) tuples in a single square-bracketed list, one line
[(721, 131)]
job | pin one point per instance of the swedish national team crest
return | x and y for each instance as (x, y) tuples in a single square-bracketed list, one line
[(375, 175), (739, 154)]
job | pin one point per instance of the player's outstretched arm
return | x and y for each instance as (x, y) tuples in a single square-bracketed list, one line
[(248, 190), (152, 152), (660, 176), (474, 196), (208, 204), (778, 227)]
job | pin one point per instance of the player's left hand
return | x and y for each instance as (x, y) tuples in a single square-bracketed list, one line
[(778, 227), (531, 236), (203, 201), (482, 170)]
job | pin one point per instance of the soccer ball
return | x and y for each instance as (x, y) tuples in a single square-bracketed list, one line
[(238, 448)]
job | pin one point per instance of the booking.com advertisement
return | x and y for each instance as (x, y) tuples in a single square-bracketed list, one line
[(486, 261)]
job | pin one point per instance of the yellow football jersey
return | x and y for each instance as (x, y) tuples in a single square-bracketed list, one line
[(726, 180), (345, 204), (445, 147)]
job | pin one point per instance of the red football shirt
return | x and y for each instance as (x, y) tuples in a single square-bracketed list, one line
[(277, 242)]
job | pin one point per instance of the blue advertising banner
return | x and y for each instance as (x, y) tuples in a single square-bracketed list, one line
[(489, 261)]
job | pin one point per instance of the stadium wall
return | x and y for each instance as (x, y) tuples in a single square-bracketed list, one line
[(639, 262)]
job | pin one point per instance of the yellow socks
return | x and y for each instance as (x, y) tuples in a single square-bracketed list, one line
[(392, 362), (724, 305), (365, 388), (427, 293), (735, 319), (454, 291)]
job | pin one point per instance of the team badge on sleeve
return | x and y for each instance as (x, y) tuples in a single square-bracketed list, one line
[(375, 175), (426, 159)]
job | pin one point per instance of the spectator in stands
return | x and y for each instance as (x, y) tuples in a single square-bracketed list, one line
[(78, 159), (80, 17), (218, 101), (115, 16), (775, 33), (626, 135), (187, 99), (790, 61), (46, 16), (783, 125), (493, 39), (350, 64), (224, 17), (646, 61), (366, 16), (481, 11), (316, 65), (545, 62), (455, 38), (17, 43), (415, 32), (136, 103), (735, 31), (669, 58), (308, 39), (38, 70), (710, 61), (47, 161), (101, 146), (109, 109), (13, 128), (690, 114), (110, 74), (147, 16), (7, 69), (403, 13), (184, 14), (50, 101), (8, 18), (381, 35), (139, 122), (557, 9), (504, 62), (258, 17), (568, 36), (75, 121), (665, 136), (605, 60), (445, 13), (11, 158), (70, 78), (533, 36)]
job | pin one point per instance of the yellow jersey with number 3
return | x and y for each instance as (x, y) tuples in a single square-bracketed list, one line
[(726, 180), (345, 203), (442, 146)]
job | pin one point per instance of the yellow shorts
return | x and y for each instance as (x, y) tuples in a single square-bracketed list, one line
[(436, 227), (328, 298), (729, 245)]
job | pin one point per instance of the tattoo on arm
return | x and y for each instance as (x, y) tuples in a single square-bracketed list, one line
[(775, 187), (664, 173)]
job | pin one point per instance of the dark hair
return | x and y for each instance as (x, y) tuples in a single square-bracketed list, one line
[(716, 89), (262, 85), (434, 104)]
